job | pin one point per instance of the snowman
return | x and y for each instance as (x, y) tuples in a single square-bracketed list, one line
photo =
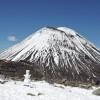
[(27, 78)]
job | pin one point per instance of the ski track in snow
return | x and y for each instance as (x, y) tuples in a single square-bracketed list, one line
[(12, 91)]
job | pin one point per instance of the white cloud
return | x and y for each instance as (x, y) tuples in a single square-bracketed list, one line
[(12, 38)]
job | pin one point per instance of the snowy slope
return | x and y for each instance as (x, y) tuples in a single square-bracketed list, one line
[(46, 37), (60, 52), (17, 91)]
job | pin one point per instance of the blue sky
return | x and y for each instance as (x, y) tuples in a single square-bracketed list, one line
[(19, 18)]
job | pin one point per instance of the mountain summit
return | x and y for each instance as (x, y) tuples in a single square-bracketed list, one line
[(60, 53)]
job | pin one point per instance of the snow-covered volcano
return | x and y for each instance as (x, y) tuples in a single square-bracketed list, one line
[(59, 52)]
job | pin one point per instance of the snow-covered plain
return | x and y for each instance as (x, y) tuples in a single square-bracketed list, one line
[(41, 90)]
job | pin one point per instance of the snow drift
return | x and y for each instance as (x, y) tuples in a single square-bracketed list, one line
[(41, 90)]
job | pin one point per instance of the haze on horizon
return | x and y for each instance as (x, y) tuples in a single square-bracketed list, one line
[(20, 18)]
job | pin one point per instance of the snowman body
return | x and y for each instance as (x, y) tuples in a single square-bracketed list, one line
[(27, 77)]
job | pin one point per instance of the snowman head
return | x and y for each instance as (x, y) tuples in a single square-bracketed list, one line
[(27, 71)]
